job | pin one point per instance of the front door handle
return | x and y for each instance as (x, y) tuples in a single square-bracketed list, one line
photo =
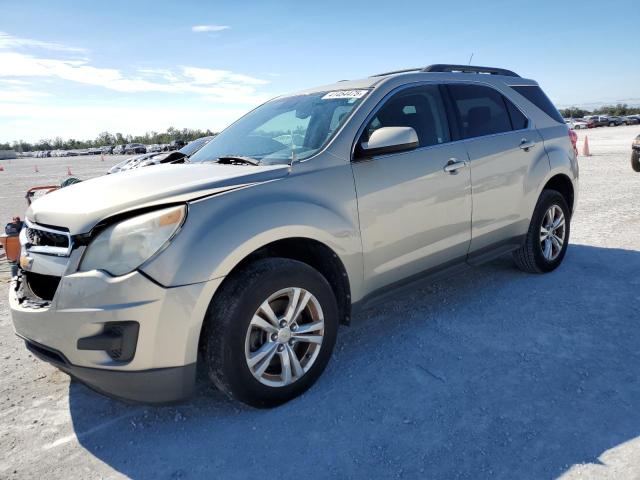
[(453, 165), (527, 144)]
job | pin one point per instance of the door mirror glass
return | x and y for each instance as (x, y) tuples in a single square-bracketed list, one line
[(390, 140)]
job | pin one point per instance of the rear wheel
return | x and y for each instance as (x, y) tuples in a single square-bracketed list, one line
[(270, 331), (635, 161), (548, 235)]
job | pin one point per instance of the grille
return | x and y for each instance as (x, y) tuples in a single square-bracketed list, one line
[(45, 238)]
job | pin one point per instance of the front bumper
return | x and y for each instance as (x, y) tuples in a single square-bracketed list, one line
[(162, 368), (159, 385)]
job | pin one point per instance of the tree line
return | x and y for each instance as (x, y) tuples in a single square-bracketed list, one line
[(619, 110), (188, 134), (106, 138)]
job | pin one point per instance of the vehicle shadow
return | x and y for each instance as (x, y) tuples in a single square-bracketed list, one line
[(490, 374)]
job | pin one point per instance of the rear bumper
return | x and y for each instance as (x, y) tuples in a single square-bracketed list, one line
[(160, 385)]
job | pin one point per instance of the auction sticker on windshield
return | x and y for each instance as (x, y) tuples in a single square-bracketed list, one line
[(345, 94)]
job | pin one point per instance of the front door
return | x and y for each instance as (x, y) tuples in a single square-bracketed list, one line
[(414, 215)]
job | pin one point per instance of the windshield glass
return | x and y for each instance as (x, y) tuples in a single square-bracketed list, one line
[(284, 129)]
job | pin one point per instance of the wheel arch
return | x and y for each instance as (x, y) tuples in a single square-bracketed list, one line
[(562, 184), (312, 252), (317, 255)]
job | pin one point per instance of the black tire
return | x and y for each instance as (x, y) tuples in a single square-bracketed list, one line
[(530, 257), (228, 319), (635, 161)]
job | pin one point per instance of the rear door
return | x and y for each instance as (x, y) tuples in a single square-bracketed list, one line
[(414, 215), (503, 149)]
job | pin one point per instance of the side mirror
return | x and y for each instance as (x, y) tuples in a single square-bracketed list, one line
[(390, 140)]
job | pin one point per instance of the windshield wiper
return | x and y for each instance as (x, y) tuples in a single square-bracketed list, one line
[(237, 159)]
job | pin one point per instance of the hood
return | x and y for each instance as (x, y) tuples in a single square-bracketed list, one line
[(81, 206)]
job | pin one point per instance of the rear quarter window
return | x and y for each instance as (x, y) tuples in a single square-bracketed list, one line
[(535, 95)]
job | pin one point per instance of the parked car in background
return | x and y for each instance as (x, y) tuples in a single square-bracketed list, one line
[(635, 154), (631, 120), (597, 120), (154, 148), (156, 158), (614, 121), (242, 262), (577, 123), (135, 148), (107, 149), (176, 144), (118, 149)]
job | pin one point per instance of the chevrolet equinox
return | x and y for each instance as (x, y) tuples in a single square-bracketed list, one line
[(244, 259)]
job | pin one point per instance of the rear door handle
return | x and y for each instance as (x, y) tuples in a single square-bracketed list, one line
[(527, 144), (453, 165)]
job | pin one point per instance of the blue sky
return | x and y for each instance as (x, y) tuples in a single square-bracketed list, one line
[(74, 69)]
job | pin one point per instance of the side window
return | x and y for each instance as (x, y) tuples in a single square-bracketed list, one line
[(518, 120), (536, 96), (420, 108), (480, 110)]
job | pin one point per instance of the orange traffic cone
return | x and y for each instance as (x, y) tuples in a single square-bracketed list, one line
[(102, 157), (35, 169), (69, 171), (585, 147), (1, 168)]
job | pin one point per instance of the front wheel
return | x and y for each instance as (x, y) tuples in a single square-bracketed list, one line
[(548, 235), (270, 331)]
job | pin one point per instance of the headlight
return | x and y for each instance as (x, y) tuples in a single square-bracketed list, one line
[(124, 246)]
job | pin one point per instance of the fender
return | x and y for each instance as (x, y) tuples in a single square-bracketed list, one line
[(557, 144), (221, 231)]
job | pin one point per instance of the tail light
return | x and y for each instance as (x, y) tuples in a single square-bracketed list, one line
[(573, 136)]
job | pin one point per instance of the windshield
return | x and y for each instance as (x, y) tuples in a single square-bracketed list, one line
[(192, 147), (284, 129)]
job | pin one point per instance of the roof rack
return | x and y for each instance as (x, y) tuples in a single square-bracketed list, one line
[(443, 67), (406, 70)]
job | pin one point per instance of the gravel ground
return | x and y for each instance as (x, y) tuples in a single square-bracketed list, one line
[(490, 374)]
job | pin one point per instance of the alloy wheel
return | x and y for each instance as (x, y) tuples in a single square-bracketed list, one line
[(552, 233), (284, 337)]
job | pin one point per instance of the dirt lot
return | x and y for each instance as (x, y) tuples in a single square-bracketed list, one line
[(491, 374)]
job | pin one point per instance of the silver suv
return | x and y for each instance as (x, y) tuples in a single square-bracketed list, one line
[(244, 260)]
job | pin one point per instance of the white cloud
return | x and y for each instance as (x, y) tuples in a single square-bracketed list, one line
[(224, 85), (9, 42), (21, 95), (209, 28), (207, 76), (162, 73), (193, 96)]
